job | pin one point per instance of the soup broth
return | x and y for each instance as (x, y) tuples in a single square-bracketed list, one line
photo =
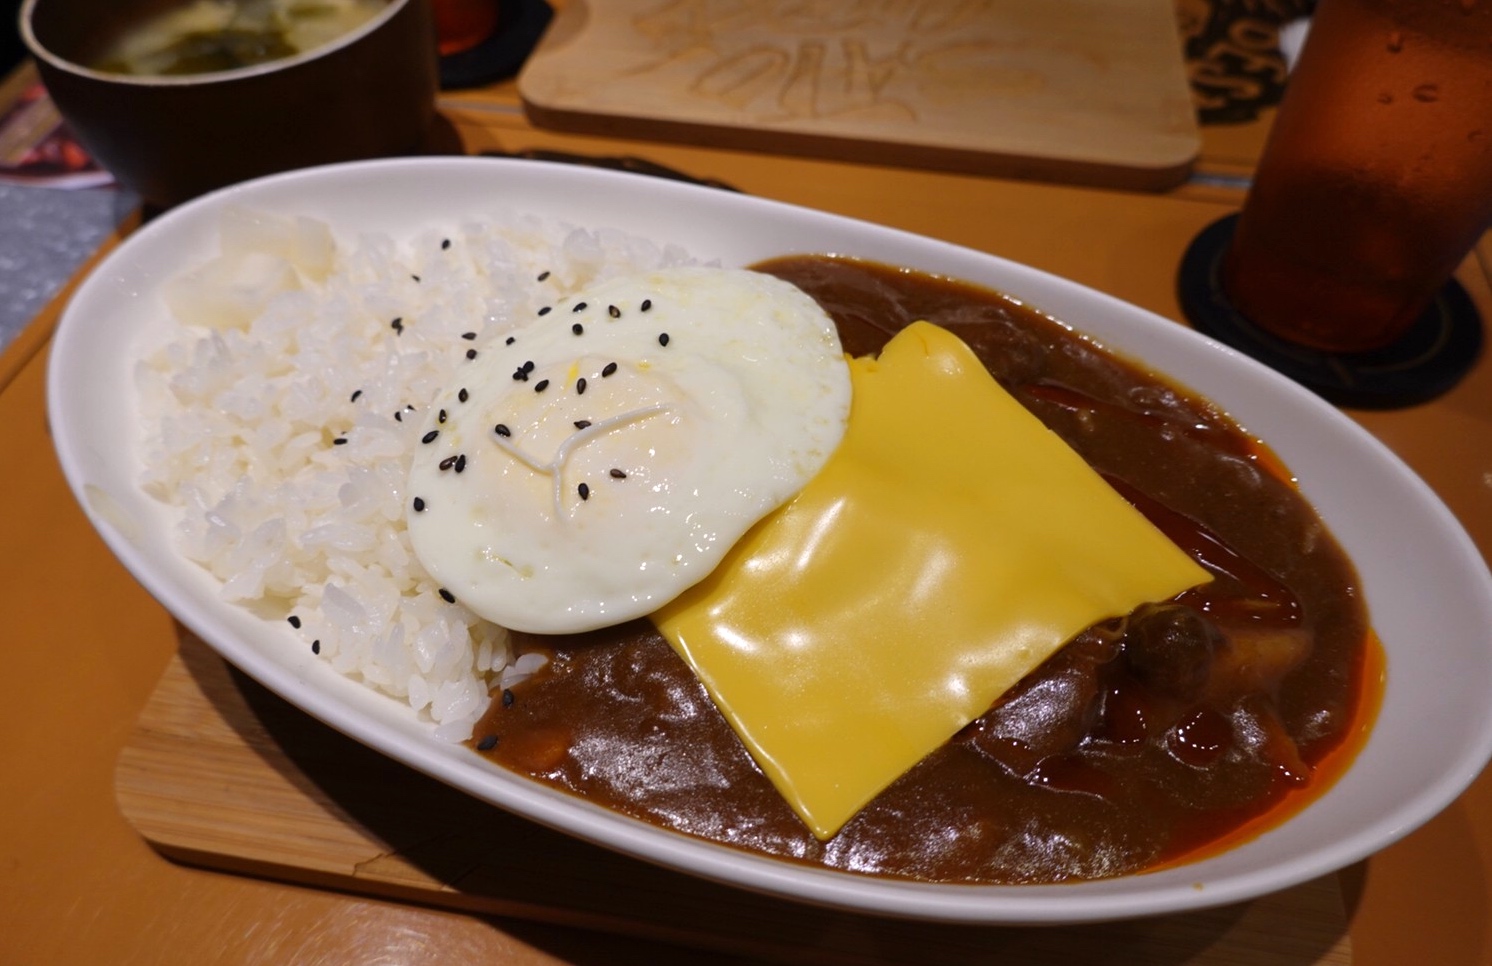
[(207, 36)]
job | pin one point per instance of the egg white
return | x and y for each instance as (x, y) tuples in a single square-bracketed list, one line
[(662, 416)]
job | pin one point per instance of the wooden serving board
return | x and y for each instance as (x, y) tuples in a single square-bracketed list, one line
[(1086, 91), (221, 773)]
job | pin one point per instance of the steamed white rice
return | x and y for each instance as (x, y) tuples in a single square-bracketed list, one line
[(285, 344)]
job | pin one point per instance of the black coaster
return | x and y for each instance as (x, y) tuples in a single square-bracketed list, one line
[(521, 23), (1428, 360)]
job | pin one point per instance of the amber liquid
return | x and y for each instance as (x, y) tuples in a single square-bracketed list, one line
[(1377, 178)]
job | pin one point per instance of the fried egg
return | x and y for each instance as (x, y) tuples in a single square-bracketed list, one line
[(599, 460)]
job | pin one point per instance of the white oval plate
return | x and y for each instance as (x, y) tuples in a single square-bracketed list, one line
[(1428, 587)]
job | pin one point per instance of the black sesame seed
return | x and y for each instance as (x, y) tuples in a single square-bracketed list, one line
[(399, 416), (502, 430), (543, 275), (463, 395), (419, 505), (398, 325), (617, 474), (409, 407), (577, 328), (445, 243), (613, 311), (447, 596), (440, 417), (509, 340), (355, 393), (544, 311), (468, 336), (520, 374), (541, 385), (294, 621), (647, 304), (316, 646), (415, 277), (663, 338), (579, 307), (487, 743), (471, 353), (429, 437), (507, 698), (580, 386), (448, 462), (340, 441), (582, 423), (528, 366), (610, 368), (461, 463), (584, 491)]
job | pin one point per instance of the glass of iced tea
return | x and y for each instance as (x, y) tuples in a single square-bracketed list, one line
[(1376, 180)]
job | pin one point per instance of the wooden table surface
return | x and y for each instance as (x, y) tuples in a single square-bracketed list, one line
[(79, 885)]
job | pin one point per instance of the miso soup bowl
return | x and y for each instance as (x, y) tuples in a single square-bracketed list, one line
[(368, 94)]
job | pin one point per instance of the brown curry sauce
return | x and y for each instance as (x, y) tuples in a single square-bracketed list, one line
[(1143, 739)]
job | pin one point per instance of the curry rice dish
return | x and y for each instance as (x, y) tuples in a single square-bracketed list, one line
[(1144, 739)]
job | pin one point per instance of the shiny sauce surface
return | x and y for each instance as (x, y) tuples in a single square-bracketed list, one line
[(1142, 740)]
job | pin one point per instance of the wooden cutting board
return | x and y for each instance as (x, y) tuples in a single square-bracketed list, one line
[(221, 773), (1086, 91)]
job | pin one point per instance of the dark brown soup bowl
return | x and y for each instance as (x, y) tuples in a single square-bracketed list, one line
[(370, 93)]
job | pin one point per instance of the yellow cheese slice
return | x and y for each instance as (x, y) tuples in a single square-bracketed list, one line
[(951, 544)]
